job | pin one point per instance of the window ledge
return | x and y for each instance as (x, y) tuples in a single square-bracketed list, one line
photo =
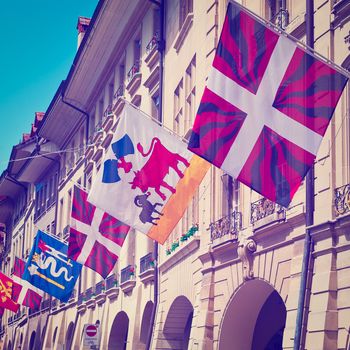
[(186, 26)]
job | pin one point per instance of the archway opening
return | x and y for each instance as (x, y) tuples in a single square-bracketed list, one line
[(254, 318), (118, 336), (178, 323), (32, 341), (146, 322), (70, 333)]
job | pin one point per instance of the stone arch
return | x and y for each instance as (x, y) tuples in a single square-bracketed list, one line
[(254, 318), (32, 341), (146, 322), (177, 326), (118, 336), (70, 333)]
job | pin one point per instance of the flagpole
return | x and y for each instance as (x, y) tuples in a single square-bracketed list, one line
[(310, 205), (161, 48)]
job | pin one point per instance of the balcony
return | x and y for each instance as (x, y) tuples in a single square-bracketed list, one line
[(152, 52), (100, 292), (134, 78), (81, 303), (107, 119), (127, 280), (45, 305), (147, 264), (342, 200), (265, 212), (112, 288), (226, 229), (118, 101), (90, 298)]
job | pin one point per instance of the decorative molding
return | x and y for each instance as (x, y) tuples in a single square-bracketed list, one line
[(186, 26), (112, 293), (128, 286), (246, 249)]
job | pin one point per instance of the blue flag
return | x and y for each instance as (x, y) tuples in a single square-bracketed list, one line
[(49, 269)]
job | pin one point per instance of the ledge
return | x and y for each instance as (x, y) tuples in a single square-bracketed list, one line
[(152, 58), (107, 140), (81, 308), (180, 254), (152, 82), (186, 26), (100, 299), (91, 303), (108, 122), (147, 276), (128, 286), (136, 100), (118, 106), (112, 293), (134, 83)]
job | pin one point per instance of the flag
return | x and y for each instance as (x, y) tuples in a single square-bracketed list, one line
[(49, 269), (6, 301), (266, 107), (95, 237), (23, 292), (144, 167)]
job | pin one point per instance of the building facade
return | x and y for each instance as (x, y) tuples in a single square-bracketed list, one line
[(229, 274)]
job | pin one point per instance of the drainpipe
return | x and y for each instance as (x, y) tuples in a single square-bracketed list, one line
[(87, 121), (161, 49), (310, 204)]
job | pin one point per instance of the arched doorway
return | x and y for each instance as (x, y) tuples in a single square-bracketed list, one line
[(118, 337), (177, 326), (254, 319), (146, 322), (32, 340), (70, 333)]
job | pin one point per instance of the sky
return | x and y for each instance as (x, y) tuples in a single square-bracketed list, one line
[(38, 41)]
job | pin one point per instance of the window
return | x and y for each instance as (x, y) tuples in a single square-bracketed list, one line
[(178, 110), (186, 7), (190, 91), (155, 106), (277, 12), (230, 197)]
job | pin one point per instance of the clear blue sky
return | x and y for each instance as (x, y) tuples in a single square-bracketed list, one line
[(38, 43)]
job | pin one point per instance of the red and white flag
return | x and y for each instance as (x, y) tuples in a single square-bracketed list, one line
[(266, 107), (23, 292), (96, 237)]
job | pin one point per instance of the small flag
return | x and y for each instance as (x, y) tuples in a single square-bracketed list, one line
[(144, 167), (49, 269), (6, 286), (266, 107), (95, 237), (23, 292)]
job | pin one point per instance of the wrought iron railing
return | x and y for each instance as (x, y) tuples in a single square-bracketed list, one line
[(147, 262), (281, 19), (127, 274), (112, 281), (119, 92), (263, 208), (342, 200), (100, 287), (45, 304), (152, 44), (89, 293), (107, 111), (81, 298), (228, 225), (133, 71)]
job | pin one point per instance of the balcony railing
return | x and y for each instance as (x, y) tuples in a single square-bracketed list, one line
[(119, 92), (89, 293), (100, 287), (147, 263), (281, 19), (152, 44), (263, 208), (81, 298), (45, 304), (111, 281), (133, 71), (127, 274), (228, 225), (342, 200)]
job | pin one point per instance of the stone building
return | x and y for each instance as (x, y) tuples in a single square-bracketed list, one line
[(229, 274)]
